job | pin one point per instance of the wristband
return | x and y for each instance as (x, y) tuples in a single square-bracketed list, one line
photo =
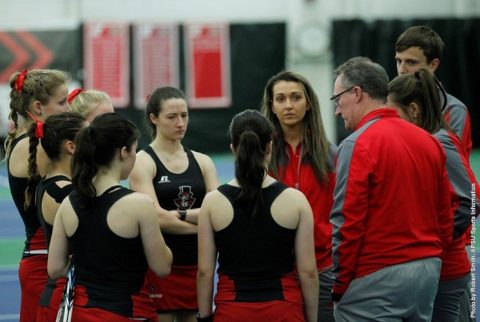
[(208, 318), (183, 214)]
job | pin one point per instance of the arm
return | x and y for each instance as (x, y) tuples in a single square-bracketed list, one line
[(457, 116), (305, 257), (348, 213), (58, 260), (140, 180), (444, 211), (461, 179), (158, 255), (207, 253), (210, 178)]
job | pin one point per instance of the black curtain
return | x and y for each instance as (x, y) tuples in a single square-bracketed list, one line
[(459, 69)]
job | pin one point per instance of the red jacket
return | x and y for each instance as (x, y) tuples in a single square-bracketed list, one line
[(455, 263), (391, 200), (297, 172)]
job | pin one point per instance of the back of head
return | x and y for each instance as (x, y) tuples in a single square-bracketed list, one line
[(250, 134), (28, 87), (420, 88), (86, 101), (96, 147), (52, 133), (369, 76), (155, 101), (424, 38)]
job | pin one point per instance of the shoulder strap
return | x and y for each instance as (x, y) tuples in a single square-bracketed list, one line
[(55, 191)]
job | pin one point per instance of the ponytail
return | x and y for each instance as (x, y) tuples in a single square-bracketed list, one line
[(249, 166), (96, 146), (83, 167), (251, 134)]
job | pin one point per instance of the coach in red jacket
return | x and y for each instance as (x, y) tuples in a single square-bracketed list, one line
[(391, 215)]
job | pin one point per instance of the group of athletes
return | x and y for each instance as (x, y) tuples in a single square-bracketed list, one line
[(377, 229)]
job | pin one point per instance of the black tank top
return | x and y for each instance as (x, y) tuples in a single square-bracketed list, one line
[(110, 267), (50, 186), (179, 192), (255, 253), (18, 185)]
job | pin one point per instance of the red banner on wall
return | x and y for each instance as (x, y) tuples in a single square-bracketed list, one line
[(207, 52), (155, 59), (106, 60)]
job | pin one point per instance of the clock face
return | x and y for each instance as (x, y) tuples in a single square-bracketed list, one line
[(313, 40)]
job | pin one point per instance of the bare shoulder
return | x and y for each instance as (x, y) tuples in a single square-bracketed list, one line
[(136, 199), (144, 159), (290, 199), (144, 166), (202, 159), (66, 205), (214, 198), (293, 194)]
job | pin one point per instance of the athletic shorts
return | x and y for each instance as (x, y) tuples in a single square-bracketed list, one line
[(278, 311), (33, 277), (175, 292)]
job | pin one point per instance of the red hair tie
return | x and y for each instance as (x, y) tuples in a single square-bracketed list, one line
[(20, 80), (74, 94), (39, 129)]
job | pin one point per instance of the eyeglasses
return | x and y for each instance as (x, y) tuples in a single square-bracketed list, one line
[(336, 98)]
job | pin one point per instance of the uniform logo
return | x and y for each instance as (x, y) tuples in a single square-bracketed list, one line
[(163, 179), (185, 198)]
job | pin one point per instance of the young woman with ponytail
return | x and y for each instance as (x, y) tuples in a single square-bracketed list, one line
[(34, 96), (111, 232), (56, 136), (262, 232), (417, 100)]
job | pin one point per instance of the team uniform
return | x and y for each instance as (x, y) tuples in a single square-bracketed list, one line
[(457, 116), (110, 270), (455, 263), (32, 270), (297, 172), (256, 264), (391, 220), (182, 191), (51, 296)]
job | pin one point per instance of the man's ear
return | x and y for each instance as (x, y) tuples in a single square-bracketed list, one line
[(434, 64)]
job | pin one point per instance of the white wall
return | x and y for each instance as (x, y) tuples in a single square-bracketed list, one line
[(51, 14)]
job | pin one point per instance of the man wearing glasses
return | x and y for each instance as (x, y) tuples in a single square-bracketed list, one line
[(391, 214)]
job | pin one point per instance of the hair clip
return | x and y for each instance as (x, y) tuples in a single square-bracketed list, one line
[(39, 129), (74, 94), (20, 81)]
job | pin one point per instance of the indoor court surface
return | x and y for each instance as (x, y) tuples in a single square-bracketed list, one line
[(12, 232)]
